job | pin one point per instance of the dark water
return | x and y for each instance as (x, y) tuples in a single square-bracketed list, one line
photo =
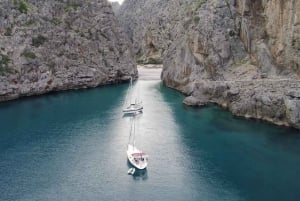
[(72, 146)]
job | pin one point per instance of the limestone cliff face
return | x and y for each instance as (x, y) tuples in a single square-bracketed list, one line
[(241, 54), (59, 45), (115, 6), (152, 25), (275, 26)]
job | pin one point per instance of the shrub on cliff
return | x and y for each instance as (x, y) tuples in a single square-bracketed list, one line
[(196, 19), (154, 61), (23, 7), (199, 3), (4, 61), (28, 54), (71, 7)]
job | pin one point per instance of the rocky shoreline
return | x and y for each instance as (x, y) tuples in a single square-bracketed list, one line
[(275, 101), (9, 91)]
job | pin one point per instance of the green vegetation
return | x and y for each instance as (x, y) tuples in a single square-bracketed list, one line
[(71, 7), (140, 61), (55, 21), (154, 61), (199, 3), (38, 41), (150, 60), (196, 19), (4, 61), (28, 54), (192, 14), (23, 6)]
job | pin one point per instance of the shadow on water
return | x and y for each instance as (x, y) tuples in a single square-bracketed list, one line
[(138, 174), (136, 115)]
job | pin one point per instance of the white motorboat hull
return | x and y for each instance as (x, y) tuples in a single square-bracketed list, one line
[(135, 107), (132, 109), (139, 164)]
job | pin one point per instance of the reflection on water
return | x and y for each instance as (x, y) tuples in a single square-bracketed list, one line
[(137, 114), (72, 146)]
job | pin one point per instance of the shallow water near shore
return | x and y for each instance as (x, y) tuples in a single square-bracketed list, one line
[(72, 146)]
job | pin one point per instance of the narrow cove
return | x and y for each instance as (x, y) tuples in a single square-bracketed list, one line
[(72, 146)]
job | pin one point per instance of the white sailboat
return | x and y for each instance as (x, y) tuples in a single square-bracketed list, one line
[(132, 108), (136, 157)]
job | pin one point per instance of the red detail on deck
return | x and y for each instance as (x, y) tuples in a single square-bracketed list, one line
[(138, 154)]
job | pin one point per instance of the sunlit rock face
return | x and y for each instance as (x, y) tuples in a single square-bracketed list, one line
[(152, 25), (248, 50), (59, 45), (115, 6)]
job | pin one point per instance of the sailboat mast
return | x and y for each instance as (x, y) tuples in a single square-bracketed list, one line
[(133, 132), (130, 133)]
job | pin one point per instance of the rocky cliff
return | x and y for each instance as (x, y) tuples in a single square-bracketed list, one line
[(59, 45), (241, 54), (115, 6)]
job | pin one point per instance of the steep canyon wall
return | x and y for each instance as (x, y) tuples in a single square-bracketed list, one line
[(241, 54), (59, 45)]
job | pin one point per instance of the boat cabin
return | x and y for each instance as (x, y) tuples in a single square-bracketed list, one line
[(140, 157)]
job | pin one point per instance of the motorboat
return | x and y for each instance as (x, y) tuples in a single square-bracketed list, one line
[(132, 107)]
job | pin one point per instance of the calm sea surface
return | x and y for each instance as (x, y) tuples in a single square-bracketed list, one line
[(72, 146)]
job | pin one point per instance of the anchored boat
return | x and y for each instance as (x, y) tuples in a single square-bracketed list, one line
[(132, 108), (136, 157)]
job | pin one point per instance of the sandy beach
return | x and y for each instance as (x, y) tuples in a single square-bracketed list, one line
[(149, 72)]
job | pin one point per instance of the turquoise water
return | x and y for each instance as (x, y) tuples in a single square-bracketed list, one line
[(72, 146)]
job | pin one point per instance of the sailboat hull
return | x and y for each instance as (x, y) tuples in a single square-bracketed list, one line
[(137, 158)]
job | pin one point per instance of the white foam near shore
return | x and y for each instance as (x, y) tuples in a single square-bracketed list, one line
[(149, 72)]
